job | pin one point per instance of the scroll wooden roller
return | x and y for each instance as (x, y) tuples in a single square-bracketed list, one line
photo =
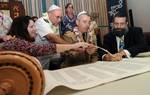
[(20, 74)]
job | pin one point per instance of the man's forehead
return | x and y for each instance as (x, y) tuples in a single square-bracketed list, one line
[(70, 6), (120, 19), (57, 12), (84, 17)]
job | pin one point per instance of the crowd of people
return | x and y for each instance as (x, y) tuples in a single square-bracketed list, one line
[(57, 41)]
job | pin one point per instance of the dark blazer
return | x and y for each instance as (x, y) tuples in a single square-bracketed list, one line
[(133, 39)]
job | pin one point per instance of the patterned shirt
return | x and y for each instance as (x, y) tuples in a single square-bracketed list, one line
[(77, 36), (67, 24), (28, 47)]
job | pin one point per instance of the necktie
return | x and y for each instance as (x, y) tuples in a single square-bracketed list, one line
[(121, 45)]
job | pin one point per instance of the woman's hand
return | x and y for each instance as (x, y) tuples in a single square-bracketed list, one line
[(7, 37)]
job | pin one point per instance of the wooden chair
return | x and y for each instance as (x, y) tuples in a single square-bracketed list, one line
[(20, 74)]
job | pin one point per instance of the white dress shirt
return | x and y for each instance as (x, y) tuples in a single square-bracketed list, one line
[(44, 27)]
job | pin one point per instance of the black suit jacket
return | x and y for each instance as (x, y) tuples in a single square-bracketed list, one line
[(133, 39)]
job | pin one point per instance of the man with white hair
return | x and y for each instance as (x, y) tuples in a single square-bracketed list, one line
[(48, 32), (78, 33), (48, 26)]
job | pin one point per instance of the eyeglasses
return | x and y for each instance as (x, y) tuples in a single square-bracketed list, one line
[(58, 17)]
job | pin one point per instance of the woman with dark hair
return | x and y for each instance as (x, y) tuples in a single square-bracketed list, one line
[(69, 20), (21, 28), (24, 30)]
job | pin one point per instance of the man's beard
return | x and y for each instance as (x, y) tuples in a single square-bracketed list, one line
[(119, 32)]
